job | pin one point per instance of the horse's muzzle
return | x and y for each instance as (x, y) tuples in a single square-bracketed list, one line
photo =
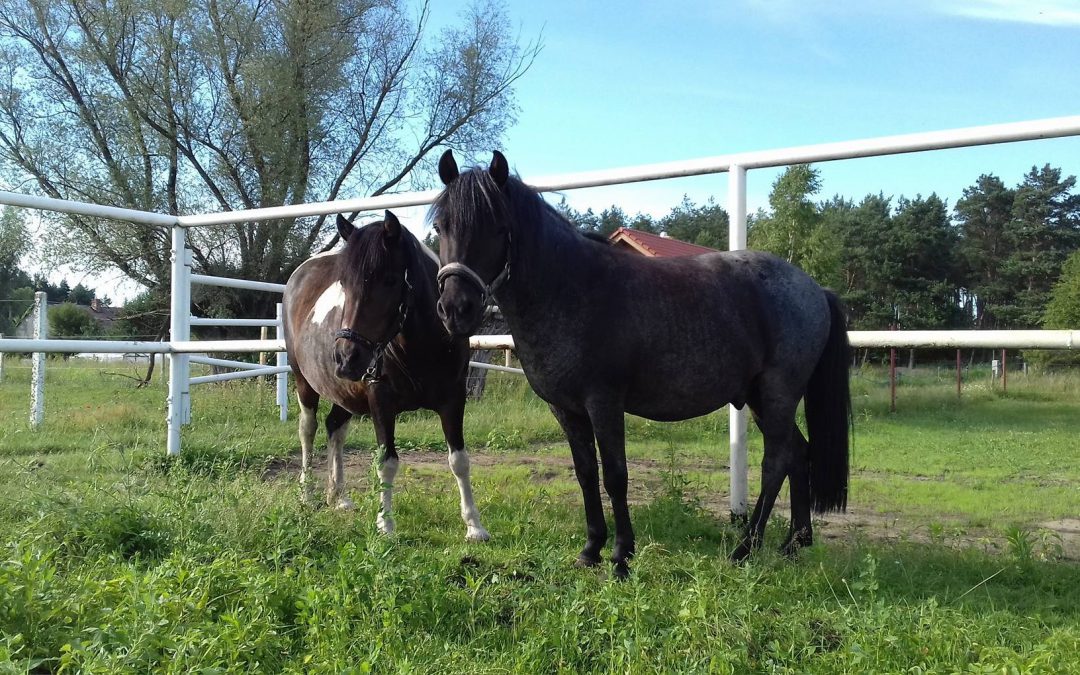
[(351, 360), (460, 307)]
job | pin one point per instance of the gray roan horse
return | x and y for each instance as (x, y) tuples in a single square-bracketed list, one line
[(361, 330), (600, 332)]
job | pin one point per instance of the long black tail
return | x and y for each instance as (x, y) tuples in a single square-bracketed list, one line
[(828, 416)]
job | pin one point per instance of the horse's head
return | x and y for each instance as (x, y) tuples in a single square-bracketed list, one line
[(374, 277), (472, 218)]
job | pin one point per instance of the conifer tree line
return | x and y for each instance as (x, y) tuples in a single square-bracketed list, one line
[(1000, 258)]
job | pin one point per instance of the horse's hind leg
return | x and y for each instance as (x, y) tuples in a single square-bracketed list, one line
[(801, 532), (309, 406), (337, 429), (451, 419), (776, 427)]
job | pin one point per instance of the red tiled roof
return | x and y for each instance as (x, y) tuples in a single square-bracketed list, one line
[(655, 246)]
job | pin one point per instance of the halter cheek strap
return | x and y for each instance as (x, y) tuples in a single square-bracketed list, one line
[(377, 349), (456, 269)]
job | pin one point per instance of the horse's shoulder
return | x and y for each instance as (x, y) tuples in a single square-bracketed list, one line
[(317, 266)]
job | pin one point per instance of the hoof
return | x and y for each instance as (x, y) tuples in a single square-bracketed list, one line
[(344, 504), (741, 553), (584, 560), (477, 533), (622, 570), (791, 548), (385, 524)]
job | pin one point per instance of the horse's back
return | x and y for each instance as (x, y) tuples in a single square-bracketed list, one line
[(699, 331)]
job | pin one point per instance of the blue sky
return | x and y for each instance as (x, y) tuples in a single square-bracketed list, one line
[(636, 82)]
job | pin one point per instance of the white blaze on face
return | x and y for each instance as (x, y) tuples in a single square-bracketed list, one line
[(333, 297)]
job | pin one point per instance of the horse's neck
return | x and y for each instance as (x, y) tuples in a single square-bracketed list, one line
[(549, 264), (423, 327)]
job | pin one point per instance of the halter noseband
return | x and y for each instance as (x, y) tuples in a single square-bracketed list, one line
[(487, 291), (374, 370)]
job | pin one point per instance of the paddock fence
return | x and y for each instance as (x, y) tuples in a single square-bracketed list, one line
[(183, 351)]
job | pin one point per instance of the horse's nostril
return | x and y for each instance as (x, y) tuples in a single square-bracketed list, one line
[(440, 310)]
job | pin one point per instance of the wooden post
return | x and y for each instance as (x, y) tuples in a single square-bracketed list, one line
[(959, 379), (264, 334), (1, 361)]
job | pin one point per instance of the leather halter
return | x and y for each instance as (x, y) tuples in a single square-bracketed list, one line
[(374, 370), (456, 269)]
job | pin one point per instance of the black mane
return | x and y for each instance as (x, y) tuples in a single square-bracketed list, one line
[(367, 260), (475, 201)]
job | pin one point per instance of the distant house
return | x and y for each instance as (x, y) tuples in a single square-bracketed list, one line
[(105, 316), (654, 245)]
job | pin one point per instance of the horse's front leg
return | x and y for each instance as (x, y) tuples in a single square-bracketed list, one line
[(579, 434), (309, 406), (609, 426), (452, 421), (337, 430), (384, 420)]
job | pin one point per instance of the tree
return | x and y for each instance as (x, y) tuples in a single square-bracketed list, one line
[(13, 245), (202, 104), (1062, 312), (68, 322), (786, 230), (984, 215), (705, 225), (866, 268), (18, 305), (143, 317), (1045, 229), (81, 295), (927, 283)]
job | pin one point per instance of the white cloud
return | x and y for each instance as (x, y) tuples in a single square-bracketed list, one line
[(1041, 12)]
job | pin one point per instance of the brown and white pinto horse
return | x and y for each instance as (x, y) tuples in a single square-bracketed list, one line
[(361, 330)]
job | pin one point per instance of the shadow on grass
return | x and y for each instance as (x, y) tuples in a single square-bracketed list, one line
[(897, 572)]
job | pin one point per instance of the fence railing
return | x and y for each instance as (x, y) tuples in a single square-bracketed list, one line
[(736, 165)]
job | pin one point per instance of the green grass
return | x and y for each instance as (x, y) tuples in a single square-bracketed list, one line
[(115, 559)]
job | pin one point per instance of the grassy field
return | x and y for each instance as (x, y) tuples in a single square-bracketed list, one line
[(959, 551)]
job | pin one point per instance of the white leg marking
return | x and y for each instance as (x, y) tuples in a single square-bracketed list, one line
[(387, 472), (460, 467), (335, 488), (333, 297), (308, 425)]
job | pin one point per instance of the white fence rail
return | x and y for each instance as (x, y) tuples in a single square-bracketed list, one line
[(180, 344)]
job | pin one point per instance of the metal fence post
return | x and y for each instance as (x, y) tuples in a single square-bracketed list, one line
[(179, 329), (37, 373), (737, 418), (282, 378)]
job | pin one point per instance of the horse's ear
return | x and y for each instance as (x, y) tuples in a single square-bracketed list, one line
[(448, 170), (391, 225), (344, 228), (499, 168)]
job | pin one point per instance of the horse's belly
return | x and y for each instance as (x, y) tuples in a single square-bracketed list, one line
[(672, 403)]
